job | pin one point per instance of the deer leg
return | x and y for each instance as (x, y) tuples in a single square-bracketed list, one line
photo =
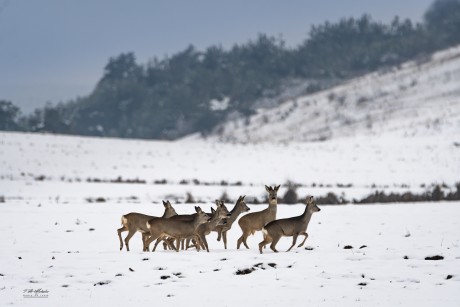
[(305, 239), (204, 242), (219, 234), (168, 243), (156, 243), (294, 240), (150, 240), (241, 239), (194, 243), (120, 230), (244, 240), (145, 236), (224, 237), (274, 242), (178, 242), (201, 245), (128, 237), (262, 244), (171, 243)]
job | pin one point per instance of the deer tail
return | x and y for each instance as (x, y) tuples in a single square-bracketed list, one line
[(265, 232)]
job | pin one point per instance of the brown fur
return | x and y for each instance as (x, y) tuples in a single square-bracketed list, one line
[(289, 227), (252, 222)]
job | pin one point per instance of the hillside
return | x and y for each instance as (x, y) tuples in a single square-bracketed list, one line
[(415, 99)]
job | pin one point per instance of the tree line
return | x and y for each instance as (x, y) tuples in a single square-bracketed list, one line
[(193, 91)]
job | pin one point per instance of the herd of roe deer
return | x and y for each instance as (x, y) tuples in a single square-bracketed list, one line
[(179, 231)]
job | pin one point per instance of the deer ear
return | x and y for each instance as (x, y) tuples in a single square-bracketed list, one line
[(267, 188), (276, 188), (212, 210), (165, 203), (218, 203), (198, 209), (242, 197)]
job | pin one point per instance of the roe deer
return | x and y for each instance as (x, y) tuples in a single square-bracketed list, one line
[(218, 218), (252, 222), (133, 222), (239, 208), (161, 227), (289, 227), (183, 218)]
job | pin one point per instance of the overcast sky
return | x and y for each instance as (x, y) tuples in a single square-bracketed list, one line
[(55, 50)]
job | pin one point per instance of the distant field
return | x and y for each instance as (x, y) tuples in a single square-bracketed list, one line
[(74, 169)]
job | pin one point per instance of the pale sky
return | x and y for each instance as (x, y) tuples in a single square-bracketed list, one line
[(55, 50)]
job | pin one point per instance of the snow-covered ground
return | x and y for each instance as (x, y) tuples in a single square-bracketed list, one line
[(56, 241), (71, 251)]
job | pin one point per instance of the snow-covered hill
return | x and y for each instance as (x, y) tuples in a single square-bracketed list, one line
[(417, 98)]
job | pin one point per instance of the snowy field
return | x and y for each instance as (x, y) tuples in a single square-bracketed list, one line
[(58, 168), (56, 240), (71, 251)]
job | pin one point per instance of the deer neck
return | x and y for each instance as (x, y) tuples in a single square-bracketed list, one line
[(196, 222), (306, 216), (236, 211), (272, 205), (214, 220)]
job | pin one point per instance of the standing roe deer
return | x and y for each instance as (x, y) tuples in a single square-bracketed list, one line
[(219, 217), (289, 227), (183, 218), (133, 222), (252, 222), (239, 208), (161, 227)]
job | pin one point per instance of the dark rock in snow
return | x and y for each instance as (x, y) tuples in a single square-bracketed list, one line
[(259, 265), (244, 271), (436, 257), (101, 283)]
